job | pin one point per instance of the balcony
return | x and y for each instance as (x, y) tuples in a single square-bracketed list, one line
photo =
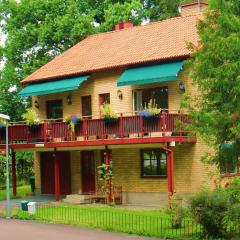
[(127, 129)]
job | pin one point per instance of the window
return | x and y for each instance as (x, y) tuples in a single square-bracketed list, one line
[(229, 168), (143, 96), (229, 159), (154, 163), (54, 109), (104, 99), (87, 107)]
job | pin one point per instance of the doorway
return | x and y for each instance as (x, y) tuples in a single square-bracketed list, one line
[(88, 172), (47, 173)]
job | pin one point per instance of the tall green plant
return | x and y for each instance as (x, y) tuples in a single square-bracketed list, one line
[(215, 70)]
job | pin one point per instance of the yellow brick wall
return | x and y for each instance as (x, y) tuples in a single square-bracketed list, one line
[(106, 83), (189, 171)]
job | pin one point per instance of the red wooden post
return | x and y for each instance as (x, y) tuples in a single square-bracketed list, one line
[(142, 126), (121, 126), (84, 128), (56, 176), (164, 126), (14, 176), (109, 184), (170, 171)]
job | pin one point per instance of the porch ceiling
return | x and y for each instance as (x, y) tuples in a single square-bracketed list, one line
[(100, 144)]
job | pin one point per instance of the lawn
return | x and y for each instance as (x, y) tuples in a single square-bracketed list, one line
[(21, 192), (148, 223)]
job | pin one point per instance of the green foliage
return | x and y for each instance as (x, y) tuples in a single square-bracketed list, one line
[(107, 112), (218, 211), (177, 213), (140, 222), (38, 30), (152, 108), (209, 210), (24, 167), (21, 192), (233, 191), (31, 117), (215, 70)]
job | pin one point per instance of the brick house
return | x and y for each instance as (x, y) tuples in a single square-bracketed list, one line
[(125, 68)]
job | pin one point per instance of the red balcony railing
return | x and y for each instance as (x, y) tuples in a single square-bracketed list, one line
[(166, 124)]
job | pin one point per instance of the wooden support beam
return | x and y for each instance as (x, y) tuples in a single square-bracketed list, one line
[(14, 175), (56, 176), (170, 171)]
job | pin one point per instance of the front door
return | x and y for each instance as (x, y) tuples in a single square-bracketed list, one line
[(47, 173), (88, 172), (86, 107)]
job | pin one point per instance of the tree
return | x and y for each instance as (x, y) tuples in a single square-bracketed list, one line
[(215, 67), (38, 30)]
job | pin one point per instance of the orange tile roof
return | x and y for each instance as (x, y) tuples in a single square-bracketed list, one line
[(154, 42)]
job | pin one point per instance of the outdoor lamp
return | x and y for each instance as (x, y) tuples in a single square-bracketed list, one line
[(6, 118), (69, 99), (181, 87), (119, 94), (36, 104)]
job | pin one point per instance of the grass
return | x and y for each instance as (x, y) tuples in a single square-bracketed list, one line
[(148, 223), (21, 192)]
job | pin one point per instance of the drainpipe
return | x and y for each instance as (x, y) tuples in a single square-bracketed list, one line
[(170, 170)]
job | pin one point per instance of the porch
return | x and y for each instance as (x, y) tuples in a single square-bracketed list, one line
[(126, 129), (144, 180)]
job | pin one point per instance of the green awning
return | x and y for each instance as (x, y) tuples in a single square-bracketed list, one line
[(57, 86), (150, 74)]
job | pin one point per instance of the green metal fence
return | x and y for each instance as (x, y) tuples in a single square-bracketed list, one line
[(114, 219)]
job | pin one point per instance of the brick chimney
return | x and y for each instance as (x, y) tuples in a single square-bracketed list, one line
[(123, 25), (186, 9)]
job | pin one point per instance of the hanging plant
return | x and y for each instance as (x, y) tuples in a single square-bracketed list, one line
[(109, 116), (151, 111), (72, 122), (31, 119)]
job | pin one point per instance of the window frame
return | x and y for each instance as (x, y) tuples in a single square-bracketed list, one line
[(101, 96), (142, 164), (135, 91), (49, 102)]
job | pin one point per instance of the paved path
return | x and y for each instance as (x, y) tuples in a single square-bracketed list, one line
[(29, 230)]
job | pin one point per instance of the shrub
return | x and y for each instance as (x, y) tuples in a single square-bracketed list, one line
[(233, 191), (177, 212), (232, 218), (209, 209)]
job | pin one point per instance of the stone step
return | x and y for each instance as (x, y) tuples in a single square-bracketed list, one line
[(77, 199)]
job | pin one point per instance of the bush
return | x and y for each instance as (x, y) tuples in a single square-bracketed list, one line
[(177, 213), (232, 218), (233, 191), (209, 209)]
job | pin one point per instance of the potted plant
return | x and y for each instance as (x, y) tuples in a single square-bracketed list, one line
[(31, 119), (151, 112), (109, 116), (72, 122)]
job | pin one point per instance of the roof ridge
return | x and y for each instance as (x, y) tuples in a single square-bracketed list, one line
[(139, 26)]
